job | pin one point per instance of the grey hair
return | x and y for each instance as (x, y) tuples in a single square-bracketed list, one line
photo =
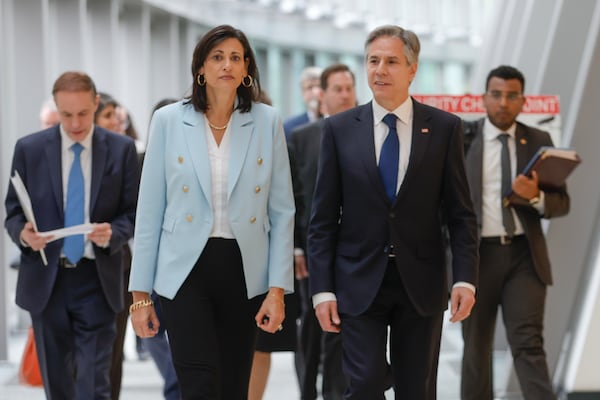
[(412, 45), (310, 73)]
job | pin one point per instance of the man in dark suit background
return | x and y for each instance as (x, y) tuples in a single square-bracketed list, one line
[(314, 345), (310, 84), (376, 252), (514, 265), (74, 298)]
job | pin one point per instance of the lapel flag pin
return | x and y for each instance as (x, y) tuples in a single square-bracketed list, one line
[(424, 131), (523, 141)]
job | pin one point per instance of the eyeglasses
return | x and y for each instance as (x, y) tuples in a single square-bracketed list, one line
[(510, 96)]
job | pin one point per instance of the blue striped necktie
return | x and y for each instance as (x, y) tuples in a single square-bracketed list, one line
[(389, 157), (73, 246)]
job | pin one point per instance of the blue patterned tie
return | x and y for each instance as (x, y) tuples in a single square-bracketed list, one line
[(389, 157), (74, 211)]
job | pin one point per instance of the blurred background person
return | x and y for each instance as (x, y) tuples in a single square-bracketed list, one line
[(310, 84), (266, 343), (315, 346), (106, 113), (158, 345), (216, 237), (48, 114), (106, 117)]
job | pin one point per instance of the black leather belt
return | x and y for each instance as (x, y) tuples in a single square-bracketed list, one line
[(65, 263), (390, 251), (502, 240)]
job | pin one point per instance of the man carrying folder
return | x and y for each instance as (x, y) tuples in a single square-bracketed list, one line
[(75, 173), (514, 266)]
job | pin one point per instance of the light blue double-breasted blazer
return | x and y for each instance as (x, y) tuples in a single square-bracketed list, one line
[(174, 213)]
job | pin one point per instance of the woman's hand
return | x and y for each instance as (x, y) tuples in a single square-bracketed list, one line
[(271, 312), (143, 317)]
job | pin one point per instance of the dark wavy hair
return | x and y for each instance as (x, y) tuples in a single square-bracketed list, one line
[(246, 95)]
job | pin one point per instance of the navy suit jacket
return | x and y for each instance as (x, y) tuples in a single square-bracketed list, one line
[(113, 196), (304, 144), (353, 223), (294, 122)]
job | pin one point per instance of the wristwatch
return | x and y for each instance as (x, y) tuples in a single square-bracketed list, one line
[(534, 200)]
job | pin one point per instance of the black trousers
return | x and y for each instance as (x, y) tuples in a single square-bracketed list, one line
[(211, 326)]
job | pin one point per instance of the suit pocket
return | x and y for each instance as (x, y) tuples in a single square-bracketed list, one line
[(168, 223), (348, 250), (266, 225)]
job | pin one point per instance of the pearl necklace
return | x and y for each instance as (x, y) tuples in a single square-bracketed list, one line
[(217, 128)]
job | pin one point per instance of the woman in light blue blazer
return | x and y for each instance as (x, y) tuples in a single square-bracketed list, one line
[(214, 228)]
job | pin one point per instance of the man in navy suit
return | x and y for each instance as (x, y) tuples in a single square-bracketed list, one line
[(74, 298), (376, 248), (310, 84)]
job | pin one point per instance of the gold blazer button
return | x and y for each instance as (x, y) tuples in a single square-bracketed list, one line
[(260, 160), (189, 218), (252, 220), (185, 189), (180, 160), (257, 189)]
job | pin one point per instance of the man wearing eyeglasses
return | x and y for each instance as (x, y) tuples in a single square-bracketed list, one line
[(514, 269)]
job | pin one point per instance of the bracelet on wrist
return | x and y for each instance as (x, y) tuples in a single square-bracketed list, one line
[(140, 304), (277, 297)]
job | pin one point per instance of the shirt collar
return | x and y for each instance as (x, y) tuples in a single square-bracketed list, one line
[(68, 142), (404, 111), (491, 132)]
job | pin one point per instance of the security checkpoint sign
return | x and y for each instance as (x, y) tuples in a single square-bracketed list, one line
[(542, 112)]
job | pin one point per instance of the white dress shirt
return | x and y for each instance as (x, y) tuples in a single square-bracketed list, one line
[(219, 167)]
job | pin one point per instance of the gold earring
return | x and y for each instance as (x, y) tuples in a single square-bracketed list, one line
[(250, 81), (201, 79)]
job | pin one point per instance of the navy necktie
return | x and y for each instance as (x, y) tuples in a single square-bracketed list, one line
[(507, 217), (389, 157), (74, 211)]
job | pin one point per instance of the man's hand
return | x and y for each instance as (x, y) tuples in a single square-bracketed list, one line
[(461, 303), (526, 187), (327, 314), (101, 234), (32, 239)]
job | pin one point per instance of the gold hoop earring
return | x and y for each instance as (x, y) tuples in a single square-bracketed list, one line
[(201, 79), (250, 81)]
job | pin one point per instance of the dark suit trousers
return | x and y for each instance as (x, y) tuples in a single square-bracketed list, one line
[(74, 336), (211, 326), (315, 346), (414, 346), (116, 364), (506, 278)]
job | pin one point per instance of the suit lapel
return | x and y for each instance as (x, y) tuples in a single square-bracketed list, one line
[(99, 155), (241, 133), (194, 133), (365, 145), (421, 134), (54, 159), (474, 163)]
